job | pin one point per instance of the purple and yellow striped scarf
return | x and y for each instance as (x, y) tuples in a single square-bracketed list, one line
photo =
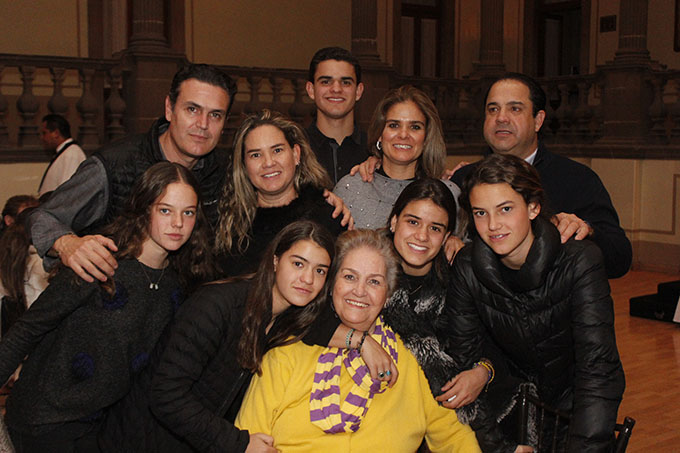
[(325, 410)]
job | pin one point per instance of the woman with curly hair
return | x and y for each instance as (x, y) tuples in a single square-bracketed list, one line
[(275, 180), (86, 341)]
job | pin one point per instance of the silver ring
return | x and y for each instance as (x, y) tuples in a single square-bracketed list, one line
[(452, 398), (381, 374)]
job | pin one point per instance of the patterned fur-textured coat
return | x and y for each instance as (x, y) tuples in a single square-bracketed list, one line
[(415, 312)]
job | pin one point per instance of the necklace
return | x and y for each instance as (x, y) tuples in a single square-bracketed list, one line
[(152, 285)]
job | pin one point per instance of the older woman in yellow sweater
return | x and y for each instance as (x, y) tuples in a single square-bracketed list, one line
[(310, 398)]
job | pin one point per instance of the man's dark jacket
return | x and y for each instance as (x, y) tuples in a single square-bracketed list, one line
[(127, 159)]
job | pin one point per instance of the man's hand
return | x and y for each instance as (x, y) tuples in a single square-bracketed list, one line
[(88, 256), (261, 443), (366, 168), (452, 246), (340, 207), (464, 388), (448, 173), (569, 225)]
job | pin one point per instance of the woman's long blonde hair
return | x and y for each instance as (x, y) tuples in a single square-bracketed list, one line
[(239, 199)]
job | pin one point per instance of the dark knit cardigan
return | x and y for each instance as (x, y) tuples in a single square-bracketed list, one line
[(83, 346), (415, 312)]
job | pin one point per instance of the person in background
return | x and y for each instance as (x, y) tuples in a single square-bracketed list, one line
[(22, 277), (13, 207), (55, 135)]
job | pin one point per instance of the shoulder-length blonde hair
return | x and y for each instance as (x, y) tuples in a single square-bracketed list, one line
[(432, 161), (239, 199)]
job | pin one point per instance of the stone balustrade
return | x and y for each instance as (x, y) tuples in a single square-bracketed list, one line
[(92, 102), (95, 105)]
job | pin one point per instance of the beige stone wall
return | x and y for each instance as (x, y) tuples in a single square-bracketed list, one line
[(19, 179), (44, 27), (265, 33), (468, 30), (661, 23), (660, 31)]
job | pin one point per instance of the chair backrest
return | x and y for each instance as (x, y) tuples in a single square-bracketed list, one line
[(556, 423), (625, 430)]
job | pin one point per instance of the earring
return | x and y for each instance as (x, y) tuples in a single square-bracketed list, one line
[(378, 145), (392, 229)]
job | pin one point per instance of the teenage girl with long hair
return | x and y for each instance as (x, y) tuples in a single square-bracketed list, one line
[(86, 341)]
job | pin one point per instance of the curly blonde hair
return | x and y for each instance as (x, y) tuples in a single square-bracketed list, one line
[(239, 199)]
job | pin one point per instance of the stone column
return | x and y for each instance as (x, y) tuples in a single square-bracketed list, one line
[(627, 95), (148, 25), (632, 32), (491, 40), (365, 30), (375, 74), (149, 64)]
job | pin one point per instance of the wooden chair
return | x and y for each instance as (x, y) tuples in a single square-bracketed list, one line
[(560, 423)]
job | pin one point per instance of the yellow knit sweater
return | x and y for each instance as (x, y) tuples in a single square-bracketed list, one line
[(277, 403)]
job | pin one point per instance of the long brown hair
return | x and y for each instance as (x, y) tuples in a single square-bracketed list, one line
[(14, 252), (291, 325), (193, 261), (432, 161), (239, 200)]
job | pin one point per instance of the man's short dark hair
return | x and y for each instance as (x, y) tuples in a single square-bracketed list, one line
[(203, 73), (536, 93), (333, 53), (57, 122)]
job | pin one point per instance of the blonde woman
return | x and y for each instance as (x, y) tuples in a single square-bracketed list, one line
[(275, 180)]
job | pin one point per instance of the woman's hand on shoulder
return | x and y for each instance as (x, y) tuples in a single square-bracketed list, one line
[(261, 443), (452, 246), (379, 361), (464, 388)]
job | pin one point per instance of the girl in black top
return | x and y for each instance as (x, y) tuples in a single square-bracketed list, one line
[(86, 341), (543, 304)]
